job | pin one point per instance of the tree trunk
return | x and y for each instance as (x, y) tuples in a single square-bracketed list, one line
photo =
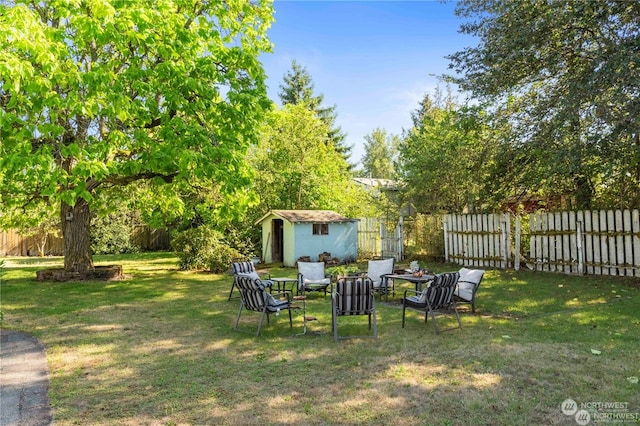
[(75, 232), (584, 192), (41, 242)]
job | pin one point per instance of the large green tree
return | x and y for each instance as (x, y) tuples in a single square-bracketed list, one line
[(296, 170), (563, 77), (443, 156), (298, 88), (100, 94), (380, 152)]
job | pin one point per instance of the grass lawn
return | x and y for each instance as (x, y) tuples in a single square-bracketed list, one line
[(159, 348)]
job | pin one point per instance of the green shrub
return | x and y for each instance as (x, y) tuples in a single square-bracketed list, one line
[(343, 270), (222, 257), (111, 234), (241, 241), (203, 248)]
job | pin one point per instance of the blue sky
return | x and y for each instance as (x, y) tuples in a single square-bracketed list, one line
[(373, 60)]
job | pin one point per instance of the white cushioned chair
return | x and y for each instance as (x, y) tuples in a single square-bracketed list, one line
[(376, 269), (468, 284), (312, 277)]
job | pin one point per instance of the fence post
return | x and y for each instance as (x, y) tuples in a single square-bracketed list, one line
[(579, 247), (516, 261), (381, 238), (446, 239), (505, 242), (400, 238)]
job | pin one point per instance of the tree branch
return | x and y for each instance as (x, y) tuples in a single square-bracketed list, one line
[(158, 120), (125, 180)]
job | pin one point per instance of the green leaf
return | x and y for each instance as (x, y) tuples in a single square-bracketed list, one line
[(68, 197), (71, 150), (114, 89)]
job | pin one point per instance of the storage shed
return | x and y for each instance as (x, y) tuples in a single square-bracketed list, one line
[(288, 235)]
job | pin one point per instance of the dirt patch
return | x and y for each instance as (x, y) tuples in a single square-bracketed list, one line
[(105, 273)]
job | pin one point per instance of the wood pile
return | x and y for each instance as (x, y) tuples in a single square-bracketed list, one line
[(326, 258)]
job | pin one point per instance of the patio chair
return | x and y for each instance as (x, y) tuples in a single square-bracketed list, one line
[(353, 296), (312, 277), (468, 284), (254, 297), (245, 269), (376, 270), (436, 297)]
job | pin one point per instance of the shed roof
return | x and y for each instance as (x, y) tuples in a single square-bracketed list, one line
[(294, 216)]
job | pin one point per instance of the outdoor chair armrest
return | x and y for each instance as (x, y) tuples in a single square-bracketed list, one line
[(280, 294), (414, 292), (386, 278)]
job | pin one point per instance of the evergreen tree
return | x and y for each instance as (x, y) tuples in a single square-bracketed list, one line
[(298, 89)]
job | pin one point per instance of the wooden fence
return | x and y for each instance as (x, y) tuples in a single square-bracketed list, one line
[(392, 240), (599, 242), (368, 237), (376, 239), (151, 239), (13, 244), (481, 240), (603, 242)]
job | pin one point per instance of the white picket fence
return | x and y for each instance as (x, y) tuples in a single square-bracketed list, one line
[(375, 239), (480, 240), (599, 242), (392, 240)]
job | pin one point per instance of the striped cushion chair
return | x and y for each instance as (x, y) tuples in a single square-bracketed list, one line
[(254, 297), (354, 296), (436, 297), (245, 269)]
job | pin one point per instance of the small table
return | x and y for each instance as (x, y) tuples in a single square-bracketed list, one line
[(281, 283), (418, 281)]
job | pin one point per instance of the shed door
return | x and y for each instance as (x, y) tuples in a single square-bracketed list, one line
[(278, 240)]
